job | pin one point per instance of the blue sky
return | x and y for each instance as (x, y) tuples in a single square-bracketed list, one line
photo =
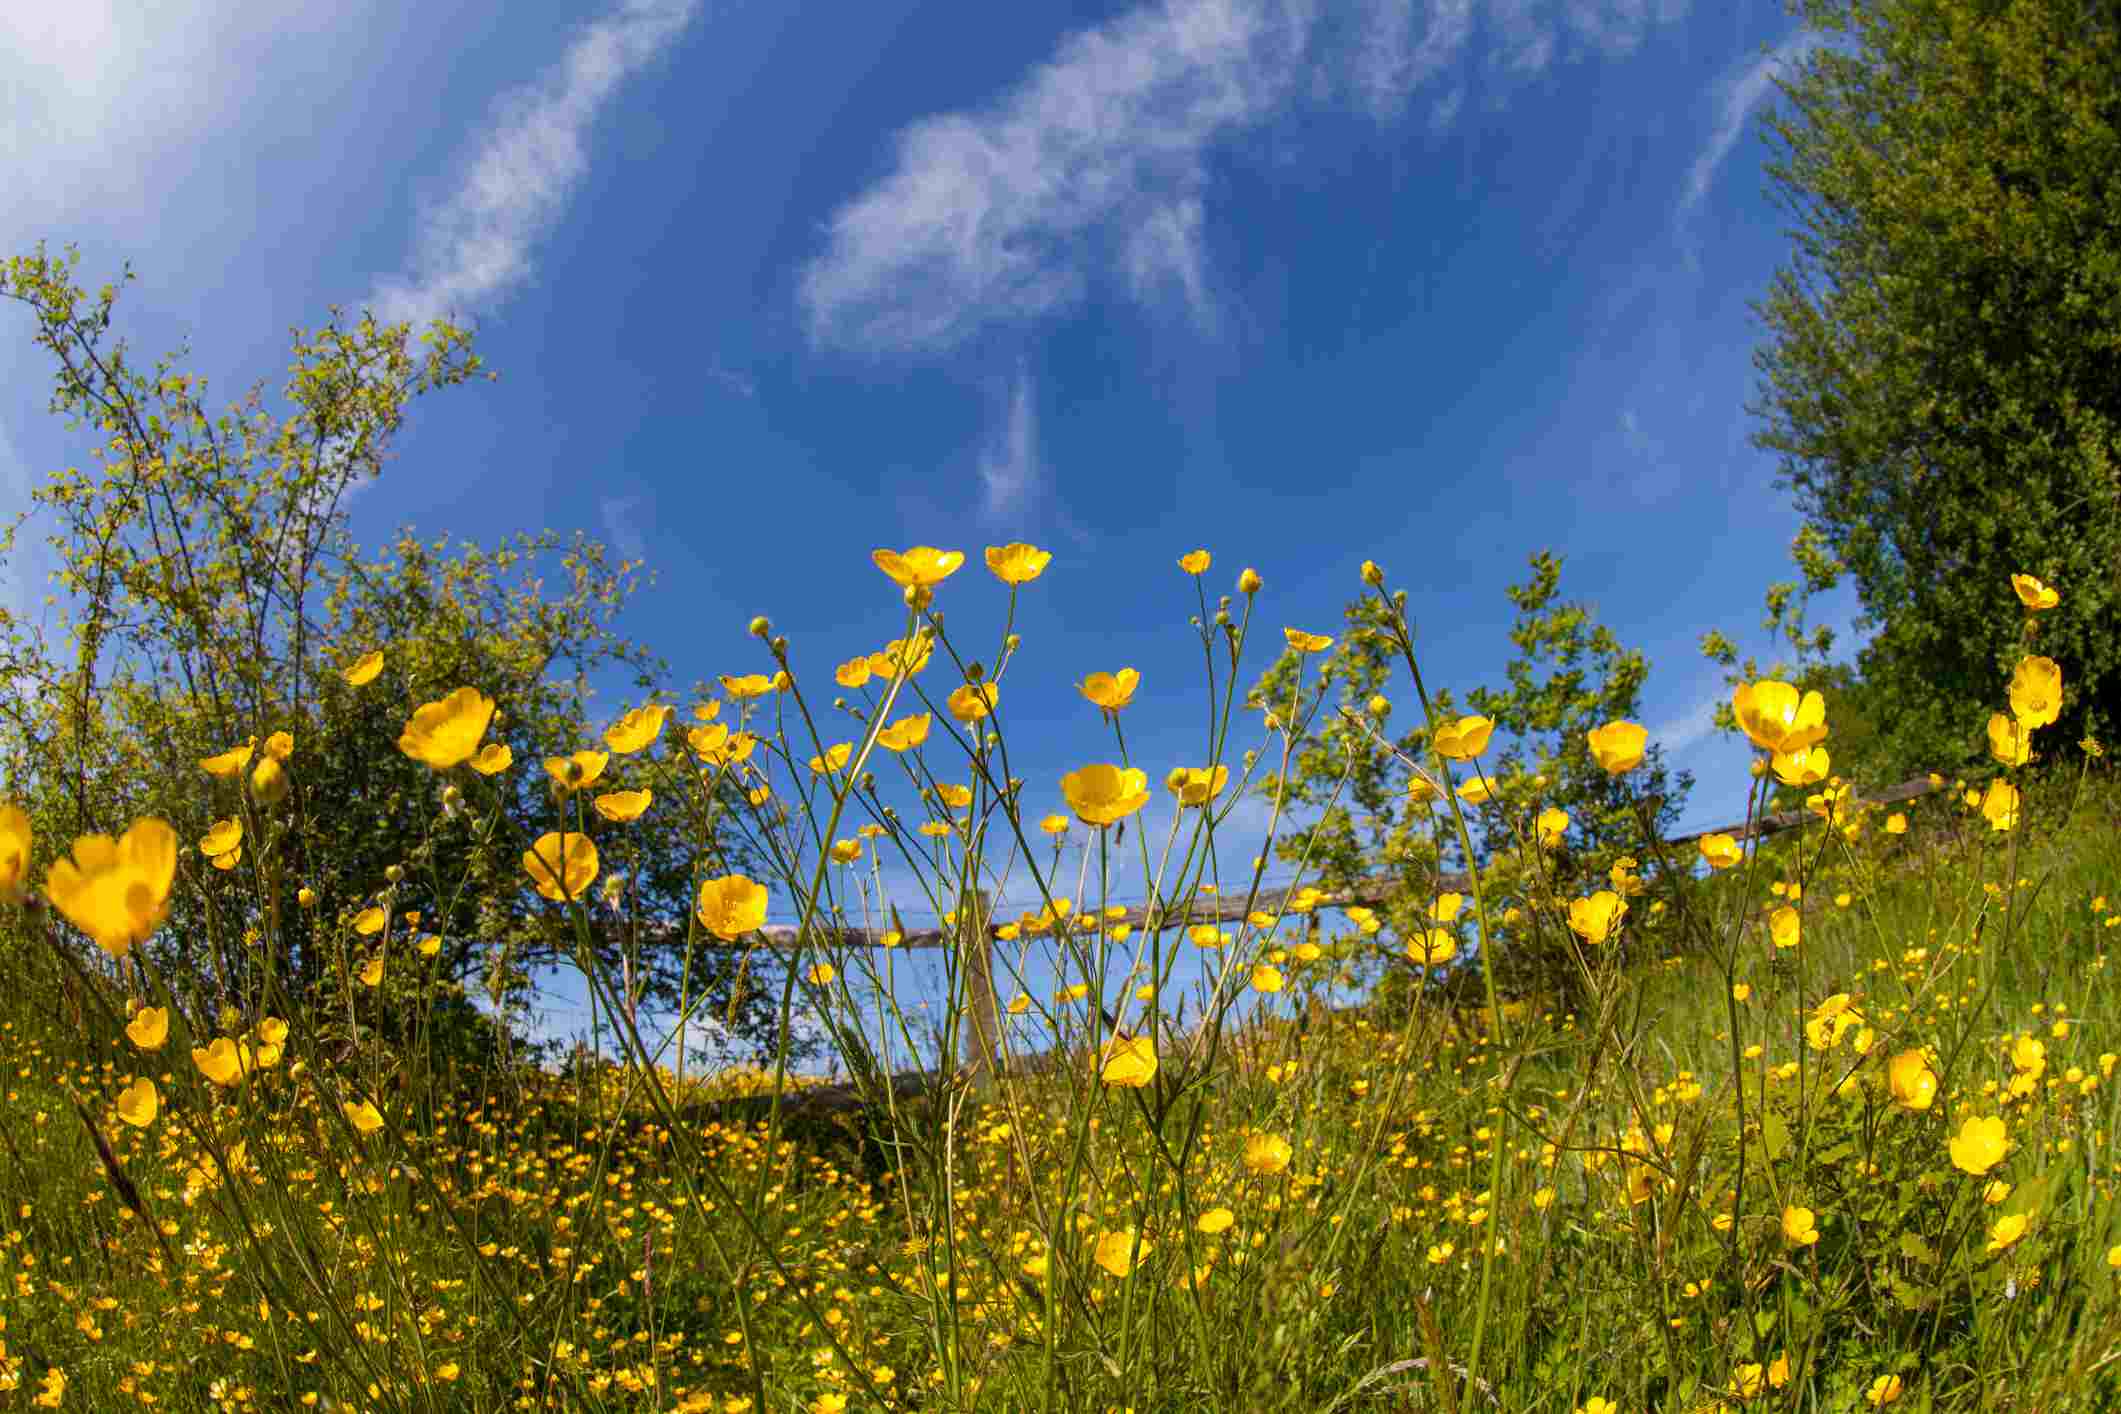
[(769, 285)]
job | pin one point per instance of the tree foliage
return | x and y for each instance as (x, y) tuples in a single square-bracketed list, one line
[(1939, 378), (208, 594)]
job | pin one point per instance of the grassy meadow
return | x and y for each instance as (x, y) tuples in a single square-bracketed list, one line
[(1822, 1120)]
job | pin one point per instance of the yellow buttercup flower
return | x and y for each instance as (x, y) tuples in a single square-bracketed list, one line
[(1551, 827), (362, 1115), (1593, 919), (14, 852), (280, 746), (230, 762), (1721, 851), (972, 702), (846, 851), (446, 733), (821, 974), (1130, 1062), (573, 773), (747, 686), (1806, 766), (1214, 1220), (1266, 978), (2009, 742), (2036, 692), (225, 1062), (1196, 785), (731, 906), (636, 730), (1464, 738), (1017, 563), (1617, 746), (138, 1102), (2033, 594), (1785, 925), (1054, 824), (1111, 691), (1777, 717), (1799, 1228), (1476, 790), (1979, 1145), (2007, 1230), (1911, 1081), (1195, 562), (1103, 794), (362, 670), (268, 782), (906, 733), (493, 758), (1883, 1390), (1307, 642), (717, 745), (1432, 949), (620, 806), (369, 921), (1999, 805), (1267, 1154), (1117, 1252), (223, 837), (921, 567), (562, 867), (900, 653), (117, 890), (149, 1028), (371, 973), (852, 673)]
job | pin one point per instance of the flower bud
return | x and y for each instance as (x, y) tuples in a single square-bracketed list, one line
[(1248, 582), (1016, 640), (268, 783), (761, 627), (1372, 575), (306, 896), (393, 874), (1379, 705), (918, 596)]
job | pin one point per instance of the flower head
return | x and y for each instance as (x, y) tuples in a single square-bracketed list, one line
[(1799, 1228), (1552, 826), (149, 1028), (230, 762), (636, 730), (1617, 746), (2036, 692), (1267, 1154), (1911, 1081), (1777, 717), (731, 906), (1307, 642), (1593, 919), (562, 867), (2033, 594), (1979, 1145), (1017, 563), (362, 670), (1721, 851), (1111, 691), (1999, 805), (1104, 794), (117, 891), (583, 768), (2009, 741), (493, 758), (446, 733), (1195, 562), (138, 1102), (14, 852), (1130, 1062), (921, 567), (1196, 785), (620, 806), (972, 701), (1464, 738)]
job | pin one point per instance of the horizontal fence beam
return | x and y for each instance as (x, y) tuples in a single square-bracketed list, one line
[(1225, 908)]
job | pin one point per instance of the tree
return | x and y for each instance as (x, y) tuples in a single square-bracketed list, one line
[(210, 596), (1368, 822), (1938, 381)]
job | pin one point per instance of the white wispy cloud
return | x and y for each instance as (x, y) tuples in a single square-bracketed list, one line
[(1009, 469), (520, 172), (1094, 164), (1736, 96)]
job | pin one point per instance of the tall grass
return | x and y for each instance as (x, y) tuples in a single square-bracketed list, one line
[(1744, 1154)]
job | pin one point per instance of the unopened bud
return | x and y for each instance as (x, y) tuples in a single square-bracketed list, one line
[(919, 596), (974, 671), (306, 896), (1372, 575), (1013, 642), (761, 627), (779, 645), (1248, 582), (393, 874), (1379, 705)]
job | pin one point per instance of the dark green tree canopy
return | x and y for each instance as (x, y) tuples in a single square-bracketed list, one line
[(1942, 375)]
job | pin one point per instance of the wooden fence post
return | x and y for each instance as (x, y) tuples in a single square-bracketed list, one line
[(980, 1030)]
